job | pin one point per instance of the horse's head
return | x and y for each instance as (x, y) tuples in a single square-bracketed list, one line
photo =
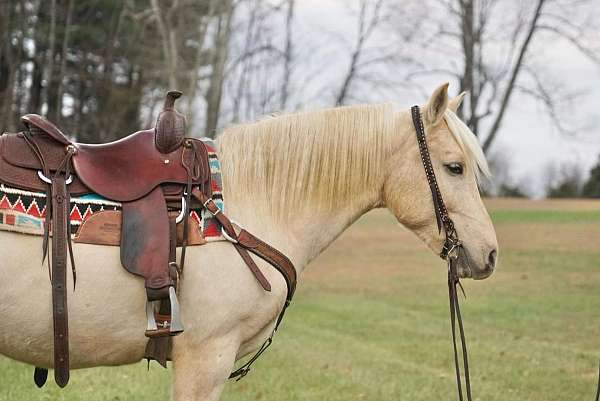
[(458, 161)]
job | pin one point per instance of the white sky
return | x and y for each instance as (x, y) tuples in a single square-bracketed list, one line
[(526, 137)]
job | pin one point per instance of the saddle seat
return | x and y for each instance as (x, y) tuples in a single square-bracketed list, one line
[(128, 169)]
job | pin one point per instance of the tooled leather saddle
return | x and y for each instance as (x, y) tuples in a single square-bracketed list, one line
[(158, 176)]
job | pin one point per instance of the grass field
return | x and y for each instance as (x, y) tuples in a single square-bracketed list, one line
[(370, 321)]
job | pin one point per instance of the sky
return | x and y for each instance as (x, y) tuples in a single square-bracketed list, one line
[(527, 137)]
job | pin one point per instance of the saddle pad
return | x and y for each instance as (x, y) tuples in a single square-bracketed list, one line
[(24, 211)]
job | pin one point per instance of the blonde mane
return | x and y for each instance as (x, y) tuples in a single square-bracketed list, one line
[(319, 159), (312, 159)]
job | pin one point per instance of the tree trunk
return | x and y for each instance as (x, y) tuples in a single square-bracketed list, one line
[(63, 63), (513, 77), (168, 41), (198, 62), (51, 48), (215, 88), (7, 17), (287, 55), (468, 44)]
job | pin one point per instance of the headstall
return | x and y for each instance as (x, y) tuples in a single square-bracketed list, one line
[(450, 251)]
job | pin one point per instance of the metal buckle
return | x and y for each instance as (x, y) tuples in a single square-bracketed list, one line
[(227, 236), (49, 181), (206, 207)]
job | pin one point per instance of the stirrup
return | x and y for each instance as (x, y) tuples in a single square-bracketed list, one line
[(176, 323), (151, 326), (160, 325)]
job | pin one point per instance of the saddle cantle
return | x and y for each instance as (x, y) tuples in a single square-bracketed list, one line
[(157, 176)]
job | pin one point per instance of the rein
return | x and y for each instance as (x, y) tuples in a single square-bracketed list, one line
[(450, 251)]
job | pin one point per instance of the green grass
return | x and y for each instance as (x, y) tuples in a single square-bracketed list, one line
[(371, 323), (545, 216)]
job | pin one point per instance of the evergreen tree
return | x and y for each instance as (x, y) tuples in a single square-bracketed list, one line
[(591, 189)]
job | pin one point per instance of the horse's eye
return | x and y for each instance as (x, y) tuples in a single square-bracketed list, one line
[(455, 168)]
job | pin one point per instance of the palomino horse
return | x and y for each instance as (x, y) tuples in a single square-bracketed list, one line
[(297, 181)]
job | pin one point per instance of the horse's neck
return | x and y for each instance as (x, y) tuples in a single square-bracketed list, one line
[(307, 231)]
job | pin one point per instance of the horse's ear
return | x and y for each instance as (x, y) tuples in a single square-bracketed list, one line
[(436, 105), (454, 104)]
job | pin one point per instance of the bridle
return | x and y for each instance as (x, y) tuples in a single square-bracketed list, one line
[(450, 252)]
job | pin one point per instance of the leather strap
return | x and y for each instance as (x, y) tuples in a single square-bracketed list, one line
[(253, 268), (246, 242), (60, 206), (450, 251), (40, 375)]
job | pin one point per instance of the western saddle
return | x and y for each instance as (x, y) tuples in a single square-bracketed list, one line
[(158, 176)]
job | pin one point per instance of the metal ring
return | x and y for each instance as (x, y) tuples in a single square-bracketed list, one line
[(48, 181), (181, 215), (227, 236)]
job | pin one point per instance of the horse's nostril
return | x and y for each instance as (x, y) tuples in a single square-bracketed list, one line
[(492, 258)]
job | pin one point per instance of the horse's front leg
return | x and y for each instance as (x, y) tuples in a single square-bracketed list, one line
[(200, 371)]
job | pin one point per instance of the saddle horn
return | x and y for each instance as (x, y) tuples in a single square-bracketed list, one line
[(170, 125)]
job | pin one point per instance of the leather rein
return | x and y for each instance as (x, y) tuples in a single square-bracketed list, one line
[(450, 252)]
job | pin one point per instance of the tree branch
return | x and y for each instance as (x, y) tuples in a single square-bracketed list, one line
[(514, 75)]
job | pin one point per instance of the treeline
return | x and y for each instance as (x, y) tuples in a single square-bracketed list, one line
[(567, 182), (98, 69)]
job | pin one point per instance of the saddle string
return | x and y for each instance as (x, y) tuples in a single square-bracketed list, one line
[(65, 165), (33, 146), (193, 172)]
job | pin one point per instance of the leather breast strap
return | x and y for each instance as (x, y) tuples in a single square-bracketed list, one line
[(247, 242), (450, 251), (244, 243)]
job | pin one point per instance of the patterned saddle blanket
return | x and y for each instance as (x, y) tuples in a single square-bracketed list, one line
[(96, 220)]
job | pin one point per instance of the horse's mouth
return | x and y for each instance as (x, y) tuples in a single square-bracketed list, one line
[(466, 267)]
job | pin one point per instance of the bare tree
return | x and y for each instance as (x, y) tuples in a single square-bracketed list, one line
[(168, 35), (259, 72), (563, 181), (63, 63), (287, 55), (498, 50), (366, 26), (219, 59)]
